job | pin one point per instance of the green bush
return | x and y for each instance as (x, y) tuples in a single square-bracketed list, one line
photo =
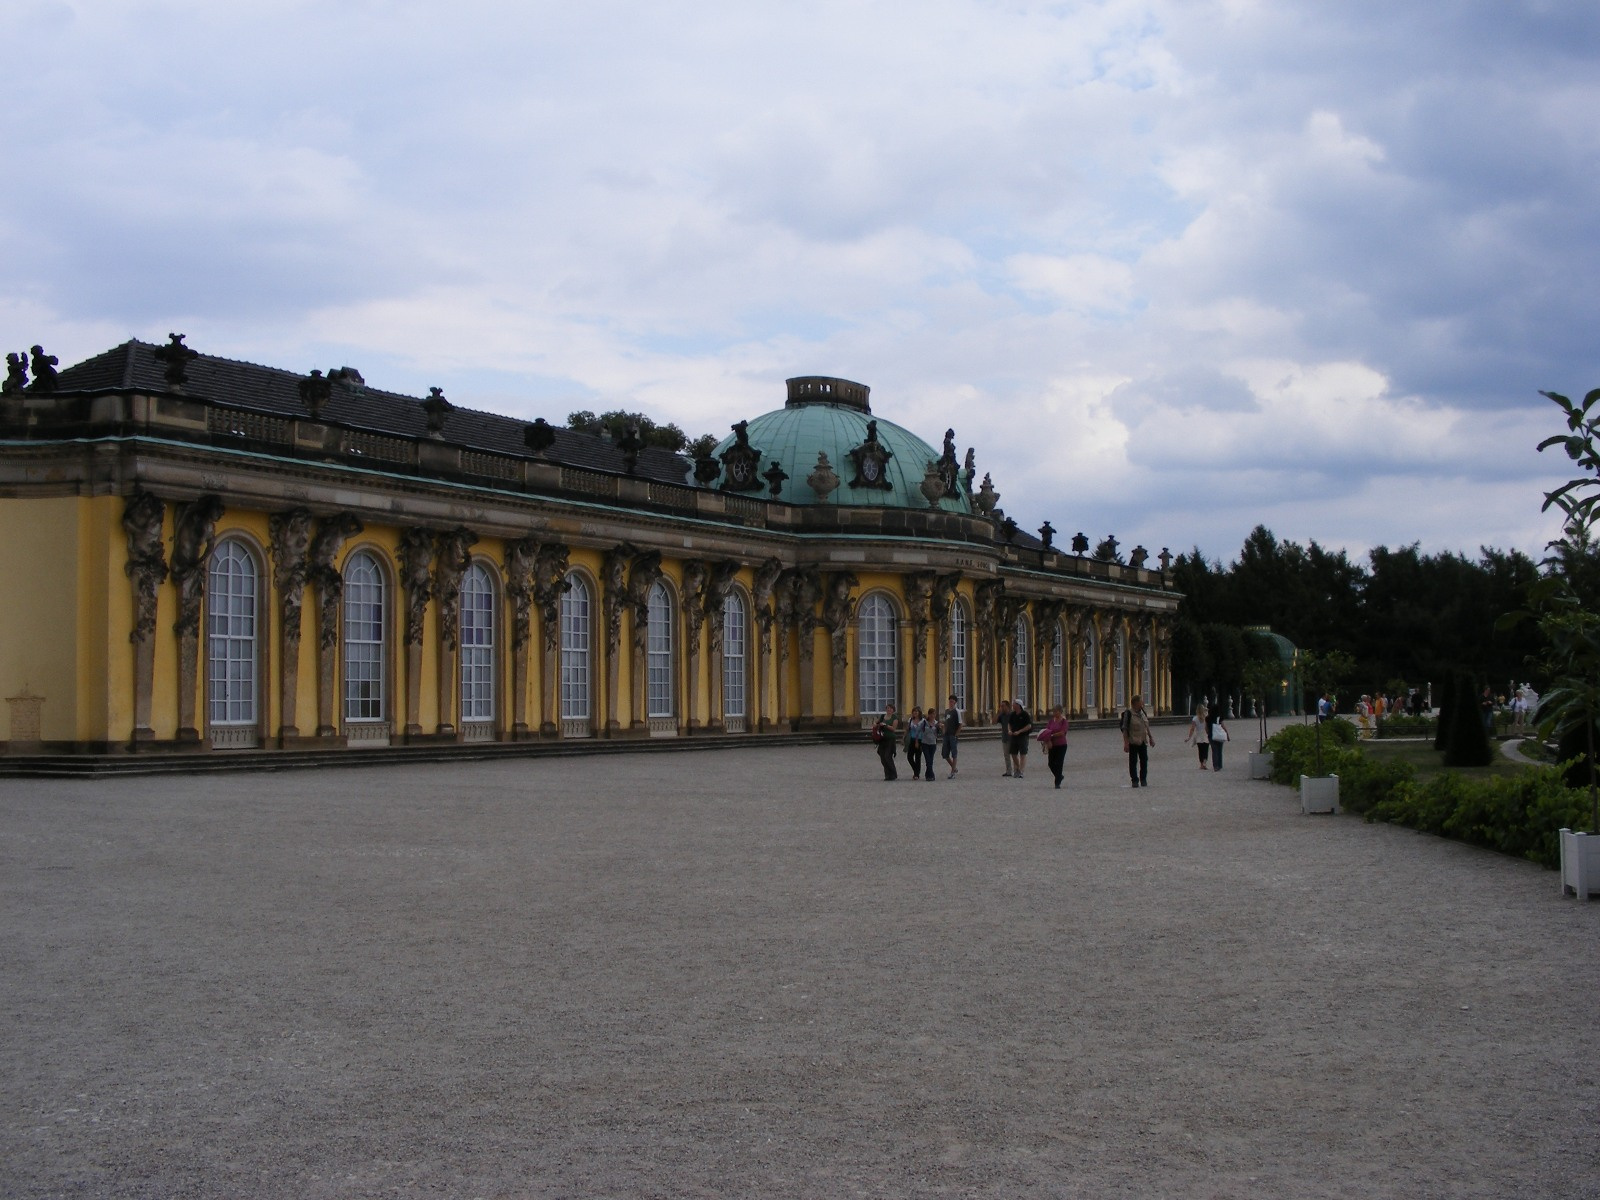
[(1366, 782), (1521, 814), (1294, 749)]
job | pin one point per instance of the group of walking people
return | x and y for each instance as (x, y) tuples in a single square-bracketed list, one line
[(1208, 730), (925, 733)]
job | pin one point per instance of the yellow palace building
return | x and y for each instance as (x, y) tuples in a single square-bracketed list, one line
[(210, 555)]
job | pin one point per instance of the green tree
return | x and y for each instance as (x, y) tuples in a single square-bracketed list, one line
[(615, 423)]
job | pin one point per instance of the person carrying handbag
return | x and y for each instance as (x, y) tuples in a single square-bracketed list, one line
[(1219, 738)]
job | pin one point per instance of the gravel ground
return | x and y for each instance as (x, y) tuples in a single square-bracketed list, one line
[(771, 974)]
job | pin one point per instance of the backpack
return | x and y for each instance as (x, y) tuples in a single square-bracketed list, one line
[(877, 731), (1125, 721)]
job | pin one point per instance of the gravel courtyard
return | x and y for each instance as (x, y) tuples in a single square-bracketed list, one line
[(770, 974)]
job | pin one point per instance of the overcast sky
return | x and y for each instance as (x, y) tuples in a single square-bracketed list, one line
[(1173, 267)]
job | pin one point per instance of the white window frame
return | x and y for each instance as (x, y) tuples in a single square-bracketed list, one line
[(1119, 670), (365, 640), (660, 677), (577, 641), (958, 652), (233, 598), (877, 657), (1019, 662), (477, 644), (1058, 683), (735, 626), (1091, 651)]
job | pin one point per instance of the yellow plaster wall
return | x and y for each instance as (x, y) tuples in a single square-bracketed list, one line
[(40, 546)]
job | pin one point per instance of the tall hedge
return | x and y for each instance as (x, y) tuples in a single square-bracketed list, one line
[(1468, 742)]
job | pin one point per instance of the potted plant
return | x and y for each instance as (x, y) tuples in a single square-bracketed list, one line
[(1320, 673)]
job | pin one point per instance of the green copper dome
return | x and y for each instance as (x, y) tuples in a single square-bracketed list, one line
[(831, 416)]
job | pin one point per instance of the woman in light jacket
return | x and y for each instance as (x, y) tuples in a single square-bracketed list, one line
[(1219, 737)]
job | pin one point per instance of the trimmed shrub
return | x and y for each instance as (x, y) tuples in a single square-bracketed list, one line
[(1467, 744), (1294, 749), (1407, 727)]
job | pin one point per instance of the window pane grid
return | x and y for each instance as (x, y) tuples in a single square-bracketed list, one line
[(1090, 650), (575, 633), (878, 663), (658, 651), (1019, 664), (231, 636), (733, 652), (363, 640), (477, 645), (1056, 682), (958, 654)]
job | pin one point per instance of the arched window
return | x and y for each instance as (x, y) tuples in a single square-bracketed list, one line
[(364, 632), (1057, 683), (232, 682), (733, 657), (1119, 670), (958, 652), (576, 632), (878, 662), (658, 653), (477, 645), (1091, 652), (1147, 686), (1019, 662)]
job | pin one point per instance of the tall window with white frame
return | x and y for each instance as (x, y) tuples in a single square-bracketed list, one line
[(231, 597), (1147, 685), (576, 631), (364, 639), (1119, 670), (1019, 662), (733, 656), (658, 653), (1057, 683), (477, 645), (1091, 652), (877, 660), (958, 652)]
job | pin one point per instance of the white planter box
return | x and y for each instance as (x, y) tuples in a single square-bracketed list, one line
[(1580, 864), (1319, 795), (1261, 764)]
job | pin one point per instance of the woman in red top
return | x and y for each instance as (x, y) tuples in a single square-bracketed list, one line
[(1054, 739)]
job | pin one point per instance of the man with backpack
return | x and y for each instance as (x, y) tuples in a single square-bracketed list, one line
[(1136, 741)]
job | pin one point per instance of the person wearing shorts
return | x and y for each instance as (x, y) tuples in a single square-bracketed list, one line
[(1021, 725)]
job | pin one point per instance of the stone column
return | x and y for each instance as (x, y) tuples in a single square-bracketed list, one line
[(454, 557), (696, 577), (550, 583), (193, 537), (614, 581), (837, 611), (143, 519), (416, 577), (332, 533), (520, 558), (718, 587), (762, 598), (290, 533), (642, 576)]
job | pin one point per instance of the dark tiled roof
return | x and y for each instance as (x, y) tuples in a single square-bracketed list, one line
[(134, 366)]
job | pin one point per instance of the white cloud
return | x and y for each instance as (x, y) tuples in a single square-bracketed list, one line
[(1165, 265)]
